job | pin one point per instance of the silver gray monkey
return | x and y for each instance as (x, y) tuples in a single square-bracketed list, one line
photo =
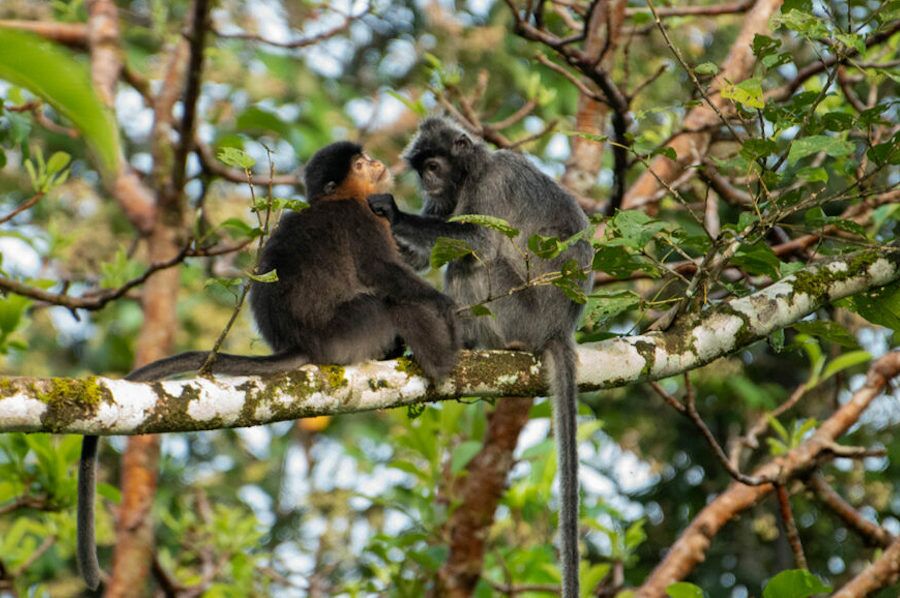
[(459, 175)]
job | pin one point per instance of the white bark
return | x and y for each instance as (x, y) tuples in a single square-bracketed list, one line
[(106, 406)]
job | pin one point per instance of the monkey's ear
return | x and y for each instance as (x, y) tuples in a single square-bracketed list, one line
[(462, 143), (330, 186)]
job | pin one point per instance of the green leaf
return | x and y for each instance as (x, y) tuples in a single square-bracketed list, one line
[(446, 250), (827, 330), (748, 93), (706, 69), (239, 228), (570, 282), (480, 311), (636, 228), (12, 308), (886, 153), (758, 259), (806, 24), (683, 589), (236, 158), (795, 583), (270, 276), (837, 121), (545, 247), (776, 340), (880, 306), (462, 454), (758, 148), (843, 362), (853, 40), (52, 74), (602, 308), (57, 162), (814, 144), (763, 46), (619, 262), (498, 224), (592, 576)]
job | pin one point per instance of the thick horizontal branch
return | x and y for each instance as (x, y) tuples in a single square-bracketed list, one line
[(106, 406)]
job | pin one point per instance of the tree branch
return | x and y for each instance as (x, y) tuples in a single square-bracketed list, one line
[(104, 406), (882, 573), (690, 548)]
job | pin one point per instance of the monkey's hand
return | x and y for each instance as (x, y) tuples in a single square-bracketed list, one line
[(384, 205)]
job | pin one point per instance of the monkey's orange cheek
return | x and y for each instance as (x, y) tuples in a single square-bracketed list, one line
[(314, 424)]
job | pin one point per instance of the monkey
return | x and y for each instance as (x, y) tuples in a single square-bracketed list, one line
[(343, 295), (459, 175)]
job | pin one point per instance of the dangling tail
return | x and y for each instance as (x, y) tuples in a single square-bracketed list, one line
[(560, 355), (233, 365)]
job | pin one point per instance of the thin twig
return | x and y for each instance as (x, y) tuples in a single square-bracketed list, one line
[(688, 408), (790, 526), (22, 207), (871, 533)]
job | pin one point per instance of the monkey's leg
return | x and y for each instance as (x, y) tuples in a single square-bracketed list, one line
[(361, 329), (429, 333)]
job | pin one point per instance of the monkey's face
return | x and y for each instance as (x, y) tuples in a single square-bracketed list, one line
[(372, 173), (436, 175)]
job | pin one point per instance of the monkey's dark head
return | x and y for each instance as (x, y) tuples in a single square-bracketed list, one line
[(343, 170), (444, 156)]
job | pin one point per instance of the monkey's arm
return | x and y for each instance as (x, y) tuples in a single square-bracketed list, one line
[(417, 234)]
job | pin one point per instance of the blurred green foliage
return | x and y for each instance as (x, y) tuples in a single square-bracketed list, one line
[(355, 505)]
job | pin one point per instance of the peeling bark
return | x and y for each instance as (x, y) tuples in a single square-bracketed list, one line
[(103, 406)]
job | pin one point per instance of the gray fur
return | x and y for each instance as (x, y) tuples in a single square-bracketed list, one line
[(460, 175)]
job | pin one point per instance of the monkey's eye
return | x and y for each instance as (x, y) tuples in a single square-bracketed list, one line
[(358, 165), (432, 166)]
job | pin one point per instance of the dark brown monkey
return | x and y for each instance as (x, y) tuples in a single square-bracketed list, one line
[(343, 295)]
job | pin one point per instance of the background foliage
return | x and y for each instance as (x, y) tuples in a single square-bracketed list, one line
[(357, 504)]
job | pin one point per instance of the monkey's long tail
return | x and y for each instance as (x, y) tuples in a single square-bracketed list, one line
[(86, 552), (562, 359), (225, 363)]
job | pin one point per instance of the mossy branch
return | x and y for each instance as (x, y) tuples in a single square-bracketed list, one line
[(105, 406)]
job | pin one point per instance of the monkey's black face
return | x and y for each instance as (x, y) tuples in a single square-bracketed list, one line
[(436, 175)]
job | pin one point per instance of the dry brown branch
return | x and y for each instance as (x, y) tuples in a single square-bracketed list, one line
[(36, 109), (692, 147), (90, 301), (106, 56), (872, 534), (688, 408), (601, 40), (476, 495), (690, 548), (70, 34), (25, 205)]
